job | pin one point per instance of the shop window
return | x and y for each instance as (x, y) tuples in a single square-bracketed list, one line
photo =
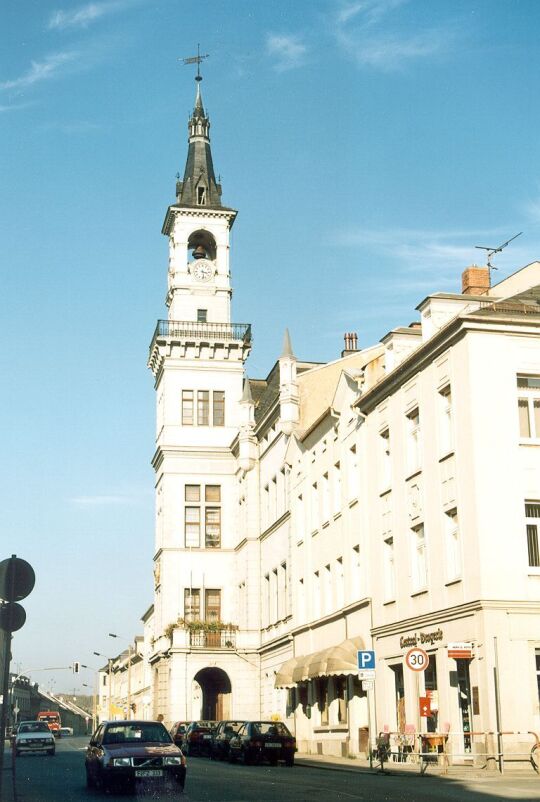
[(431, 691), (399, 691), (340, 694), (322, 699)]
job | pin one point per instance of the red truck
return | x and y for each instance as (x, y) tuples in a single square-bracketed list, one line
[(52, 717)]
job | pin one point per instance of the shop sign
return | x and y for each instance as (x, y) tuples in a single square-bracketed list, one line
[(420, 639), (460, 650), (417, 659)]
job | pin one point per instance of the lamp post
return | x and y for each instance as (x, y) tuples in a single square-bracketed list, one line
[(112, 635), (109, 673)]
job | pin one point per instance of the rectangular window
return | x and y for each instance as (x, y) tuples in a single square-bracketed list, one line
[(325, 498), (201, 196), (266, 600), (328, 601), (386, 464), (192, 526), (314, 507), (389, 569), (340, 583), (192, 604), (445, 419), (212, 527), (193, 493), (352, 474), (356, 573), (336, 490), (340, 693), (532, 521), (453, 556), (300, 519), (218, 408), (419, 562), (322, 700), (212, 606), (301, 601), (202, 315), (316, 611), (187, 407), (529, 406), (203, 407), (413, 440)]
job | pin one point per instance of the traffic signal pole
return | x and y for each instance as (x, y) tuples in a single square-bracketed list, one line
[(7, 609)]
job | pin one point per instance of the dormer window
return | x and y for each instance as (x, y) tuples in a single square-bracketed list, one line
[(201, 196)]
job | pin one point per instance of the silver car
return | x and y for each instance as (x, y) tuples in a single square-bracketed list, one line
[(34, 736)]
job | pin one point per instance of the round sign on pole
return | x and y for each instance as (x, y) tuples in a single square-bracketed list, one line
[(17, 579), (417, 659), (12, 617)]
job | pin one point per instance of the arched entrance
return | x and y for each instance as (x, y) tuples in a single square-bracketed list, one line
[(216, 694)]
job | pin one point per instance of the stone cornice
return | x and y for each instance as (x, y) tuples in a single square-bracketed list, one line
[(194, 452), (281, 520), (189, 211), (422, 356), (453, 613)]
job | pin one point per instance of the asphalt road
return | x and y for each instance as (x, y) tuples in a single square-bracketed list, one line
[(40, 778)]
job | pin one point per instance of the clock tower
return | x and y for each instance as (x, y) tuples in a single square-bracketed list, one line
[(197, 356)]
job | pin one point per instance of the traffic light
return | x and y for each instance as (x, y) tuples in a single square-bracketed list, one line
[(76, 667)]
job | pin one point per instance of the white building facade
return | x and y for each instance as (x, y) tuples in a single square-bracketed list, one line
[(385, 500)]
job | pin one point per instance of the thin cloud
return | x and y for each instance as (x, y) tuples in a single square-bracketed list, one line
[(83, 16), (14, 107), (39, 71), (101, 501), (368, 32), (289, 51)]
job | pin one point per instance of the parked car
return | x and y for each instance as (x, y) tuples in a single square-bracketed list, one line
[(122, 754), (263, 740), (177, 732), (198, 737), (34, 736), (66, 730), (219, 745)]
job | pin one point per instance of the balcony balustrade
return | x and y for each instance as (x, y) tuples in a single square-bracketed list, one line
[(187, 329), (220, 639)]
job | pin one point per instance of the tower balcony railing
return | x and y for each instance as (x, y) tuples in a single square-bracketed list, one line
[(218, 639), (187, 329)]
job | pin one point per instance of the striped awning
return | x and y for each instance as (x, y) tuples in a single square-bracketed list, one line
[(339, 660)]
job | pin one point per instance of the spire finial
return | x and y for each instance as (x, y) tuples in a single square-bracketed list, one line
[(287, 347), (196, 60), (247, 398)]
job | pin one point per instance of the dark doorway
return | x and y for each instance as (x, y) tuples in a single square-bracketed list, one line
[(216, 694)]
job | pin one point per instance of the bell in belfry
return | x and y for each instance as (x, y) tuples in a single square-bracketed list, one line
[(199, 252)]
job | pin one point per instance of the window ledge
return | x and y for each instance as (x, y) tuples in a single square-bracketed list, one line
[(337, 515), (449, 453), (314, 532), (352, 502), (331, 728), (325, 525), (385, 490), (455, 581), (413, 473), (419, 592), (533, 571), (300, 542), (529, 441), (388, 601)]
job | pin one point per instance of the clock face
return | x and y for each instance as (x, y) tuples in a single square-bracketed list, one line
[(203, 270)]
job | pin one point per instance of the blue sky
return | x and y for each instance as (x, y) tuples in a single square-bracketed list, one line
[(368, 146)]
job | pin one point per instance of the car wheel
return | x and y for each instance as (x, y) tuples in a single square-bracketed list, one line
[(51, 752), (232, 756)]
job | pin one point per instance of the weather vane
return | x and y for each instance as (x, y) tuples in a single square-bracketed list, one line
[(195, 60), (492, 251)]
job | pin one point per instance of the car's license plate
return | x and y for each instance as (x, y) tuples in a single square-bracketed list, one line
[(148, 773), (273, 746), (206, 737)]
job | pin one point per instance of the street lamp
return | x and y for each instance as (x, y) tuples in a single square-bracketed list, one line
[(112, 635), (109, 672)]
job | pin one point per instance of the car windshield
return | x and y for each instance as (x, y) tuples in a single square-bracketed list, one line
[(136, 733), (37, 726), (271, 728)]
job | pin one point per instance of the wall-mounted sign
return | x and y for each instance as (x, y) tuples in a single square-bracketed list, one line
[(417, 659), (460, 650), (425, 706), (420, 639)]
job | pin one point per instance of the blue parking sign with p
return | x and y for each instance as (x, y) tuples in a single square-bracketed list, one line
[(366, 659)]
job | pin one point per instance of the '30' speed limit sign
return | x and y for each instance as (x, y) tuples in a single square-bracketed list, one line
[(417, 659)]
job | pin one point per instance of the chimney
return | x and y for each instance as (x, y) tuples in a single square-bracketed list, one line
[(351, 343), (475, 280)]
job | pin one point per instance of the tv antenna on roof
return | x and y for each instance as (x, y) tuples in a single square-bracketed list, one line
[(492, 251), (196, 60)]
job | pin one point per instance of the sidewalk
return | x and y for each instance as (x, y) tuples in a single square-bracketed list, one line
[(361, 764)]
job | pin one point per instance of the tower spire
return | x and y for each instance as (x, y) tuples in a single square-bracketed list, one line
[(199, 186)]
